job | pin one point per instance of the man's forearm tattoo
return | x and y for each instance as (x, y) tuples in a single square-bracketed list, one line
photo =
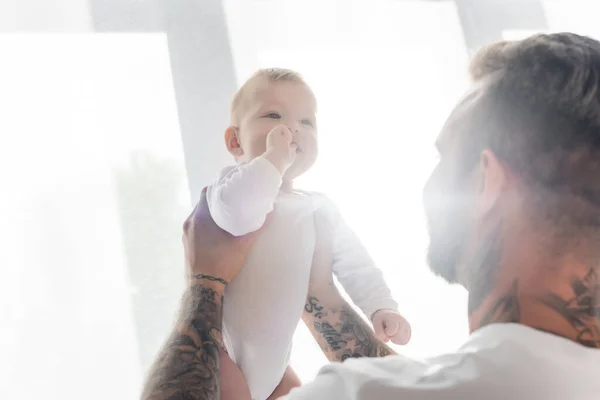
[(312, 307), (342, 333), (188, 364), (333, 337)]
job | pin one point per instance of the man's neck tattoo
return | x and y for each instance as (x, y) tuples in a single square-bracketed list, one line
[(581, 310), (505, 309)]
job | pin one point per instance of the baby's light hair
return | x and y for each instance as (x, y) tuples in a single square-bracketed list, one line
[(271, 75)]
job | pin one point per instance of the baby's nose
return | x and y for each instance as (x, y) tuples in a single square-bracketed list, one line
[(294, 128)]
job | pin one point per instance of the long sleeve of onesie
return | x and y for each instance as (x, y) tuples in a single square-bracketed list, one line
[(241, 198), (354, 267)]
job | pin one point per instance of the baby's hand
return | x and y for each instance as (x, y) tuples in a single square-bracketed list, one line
[(281, 151), (390, 325)]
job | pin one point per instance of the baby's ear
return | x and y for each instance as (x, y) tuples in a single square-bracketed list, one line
[(232, 141)]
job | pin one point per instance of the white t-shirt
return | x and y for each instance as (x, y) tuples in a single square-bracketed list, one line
[(498, 362), (263, 305)]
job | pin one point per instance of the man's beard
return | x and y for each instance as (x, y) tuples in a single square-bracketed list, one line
[(448, 226)]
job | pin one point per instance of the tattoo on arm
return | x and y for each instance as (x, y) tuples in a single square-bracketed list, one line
[(332, 337), (341, 332), (188, 364), (312, 307), (582, 310), (210, 278)]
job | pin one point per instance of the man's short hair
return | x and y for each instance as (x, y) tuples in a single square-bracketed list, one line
[(539, 111), (271, 75)]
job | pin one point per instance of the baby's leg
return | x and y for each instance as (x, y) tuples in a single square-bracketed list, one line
[(232, 381), (289, 381)]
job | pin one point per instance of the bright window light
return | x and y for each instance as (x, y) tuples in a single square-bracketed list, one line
[(82, 114), (385, 75), (94, 188)]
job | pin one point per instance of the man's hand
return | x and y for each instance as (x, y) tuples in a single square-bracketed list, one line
[(188, 365), (281, 150), (390, 325), (209, 250)]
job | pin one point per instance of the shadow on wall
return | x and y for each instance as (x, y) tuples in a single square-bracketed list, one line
[(151, 217)]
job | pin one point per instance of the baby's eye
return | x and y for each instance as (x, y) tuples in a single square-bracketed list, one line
[(273, 116), (307, 122)]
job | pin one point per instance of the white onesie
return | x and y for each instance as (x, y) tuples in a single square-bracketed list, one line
[(264, 304)]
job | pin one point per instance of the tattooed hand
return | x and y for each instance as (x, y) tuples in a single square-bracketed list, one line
[(188, 365), (209, 250)]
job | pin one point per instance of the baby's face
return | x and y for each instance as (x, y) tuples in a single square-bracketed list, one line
[(279, 103)]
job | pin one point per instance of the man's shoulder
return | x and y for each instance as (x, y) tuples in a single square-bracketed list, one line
[(397, 377), (497, 362), (369, 378)]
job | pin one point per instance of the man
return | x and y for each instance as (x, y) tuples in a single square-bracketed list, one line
[(513, 214)]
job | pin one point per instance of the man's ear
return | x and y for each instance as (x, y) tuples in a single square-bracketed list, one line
[(232, 141), (492, 181)]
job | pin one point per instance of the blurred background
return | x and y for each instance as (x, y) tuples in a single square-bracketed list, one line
[(112, 114)]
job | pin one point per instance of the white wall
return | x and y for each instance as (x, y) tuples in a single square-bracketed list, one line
[(76, 110), (45, 16)]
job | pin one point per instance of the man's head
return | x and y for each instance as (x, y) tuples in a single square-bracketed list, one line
[(273, 97), (519, 159)]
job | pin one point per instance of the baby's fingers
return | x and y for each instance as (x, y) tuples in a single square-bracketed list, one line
[(403, 335), (391, 327), (380, 333)]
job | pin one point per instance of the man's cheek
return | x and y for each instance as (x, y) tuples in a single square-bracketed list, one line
[(434, 190), (435, 203), (448, 223)]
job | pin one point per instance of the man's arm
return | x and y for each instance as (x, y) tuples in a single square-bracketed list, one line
[(188, 365), (338, 329), (354, 267)]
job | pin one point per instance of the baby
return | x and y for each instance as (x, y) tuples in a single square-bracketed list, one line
[(273, 137)]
